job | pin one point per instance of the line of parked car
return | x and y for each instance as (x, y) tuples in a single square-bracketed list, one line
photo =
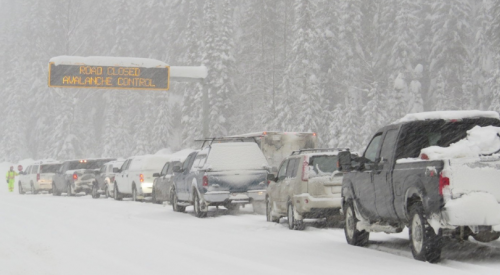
[(435, 173)]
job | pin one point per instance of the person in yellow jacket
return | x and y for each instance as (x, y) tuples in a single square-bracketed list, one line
[(10, 177)]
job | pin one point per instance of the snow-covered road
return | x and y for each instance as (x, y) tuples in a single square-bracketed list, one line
[(42, 234)]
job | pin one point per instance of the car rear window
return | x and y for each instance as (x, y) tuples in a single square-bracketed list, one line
[(49, 168), (322, 165)]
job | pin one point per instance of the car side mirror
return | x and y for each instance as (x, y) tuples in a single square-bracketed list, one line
[(177, 169), (271, 177), (156, 175), (344, 162)]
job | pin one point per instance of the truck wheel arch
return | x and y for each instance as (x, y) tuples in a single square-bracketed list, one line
[(412, 195)]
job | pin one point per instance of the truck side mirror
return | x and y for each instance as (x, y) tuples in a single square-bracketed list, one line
[(344, 161), (271, 177), (177, 169), (156, 175), (116, 170)]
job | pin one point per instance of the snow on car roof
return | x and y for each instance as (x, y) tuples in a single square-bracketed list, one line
[(447, 115), (235, 156), (175, 71)]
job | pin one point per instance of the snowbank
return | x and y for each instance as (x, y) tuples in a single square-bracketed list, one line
[(447, 115), (479, 140), (476, 208)]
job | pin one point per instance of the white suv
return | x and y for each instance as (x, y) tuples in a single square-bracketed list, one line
[(38, 177), (135, 178), (308, 185)]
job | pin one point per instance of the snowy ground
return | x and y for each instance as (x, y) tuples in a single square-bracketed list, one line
[(42, 234)]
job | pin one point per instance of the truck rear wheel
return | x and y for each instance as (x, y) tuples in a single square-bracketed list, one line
[(175, 201), (197, 206), (352, 234), (425, 244)]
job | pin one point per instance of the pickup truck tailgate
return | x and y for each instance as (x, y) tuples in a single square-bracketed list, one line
[(237, 181), (474, 175)]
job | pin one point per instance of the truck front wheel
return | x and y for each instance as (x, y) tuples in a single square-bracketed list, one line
[(425, 244), (352, 234)]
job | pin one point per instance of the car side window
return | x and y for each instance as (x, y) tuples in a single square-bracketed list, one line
[(373, 148), (387, 151), (125, 165), (28, 170), (186, 163), (165, 169), (171, 167), (200, 160), (291, 170), (34, 169), (282, 172)]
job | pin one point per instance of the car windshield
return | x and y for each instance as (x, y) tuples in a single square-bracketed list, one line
[(49, 168), (322, 165)]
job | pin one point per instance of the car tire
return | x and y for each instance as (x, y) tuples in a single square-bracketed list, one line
[(269, 211), (55, 192), (69, 190), (197, 206), (352, 234), (116, 194), (425, 244), (134, 193), (33, 190), (293, 224), (21, 191), (175, 201), (94, 193)]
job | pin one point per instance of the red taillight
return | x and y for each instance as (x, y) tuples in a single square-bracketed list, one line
[(75, 176), (37, 177), (443, 182), (141, 177), (424, 156), (205, 181), (305, 169)]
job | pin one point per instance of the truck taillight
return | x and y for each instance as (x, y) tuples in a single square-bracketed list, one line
[(75, 176), (443, 182), (37, 177), (424, 156), (141, 177), (305, 169), (205, 181)]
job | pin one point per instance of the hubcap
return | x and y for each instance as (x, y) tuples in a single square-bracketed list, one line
[(417, 233), (350, 223)]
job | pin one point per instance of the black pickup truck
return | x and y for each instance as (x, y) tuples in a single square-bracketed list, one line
[(418, 172)]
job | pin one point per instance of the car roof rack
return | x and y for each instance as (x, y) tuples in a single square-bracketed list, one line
[(209, 141), (320, 150)]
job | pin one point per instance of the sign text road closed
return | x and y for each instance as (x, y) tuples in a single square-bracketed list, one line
[(109, 77)]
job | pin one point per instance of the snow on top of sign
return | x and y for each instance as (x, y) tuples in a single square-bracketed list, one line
[(447, 115), (108, 61)]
